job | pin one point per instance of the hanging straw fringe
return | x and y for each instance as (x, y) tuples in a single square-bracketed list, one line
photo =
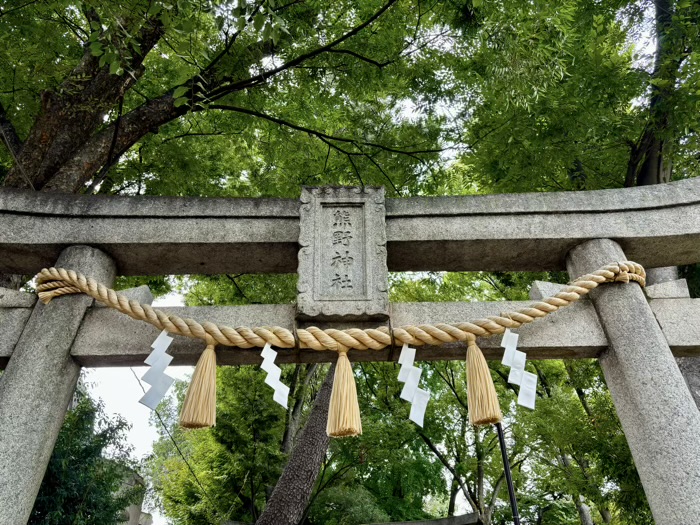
[(482, 399), (344, 410), (344, 418), (199, 408)]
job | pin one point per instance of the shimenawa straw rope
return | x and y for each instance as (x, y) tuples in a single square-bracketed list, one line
[(54, 282)]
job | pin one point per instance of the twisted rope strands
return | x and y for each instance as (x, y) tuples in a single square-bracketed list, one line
[(54, 282)]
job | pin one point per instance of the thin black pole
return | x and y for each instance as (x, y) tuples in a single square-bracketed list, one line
[(509, 478)]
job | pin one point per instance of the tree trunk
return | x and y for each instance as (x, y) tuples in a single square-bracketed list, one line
[(454, 490), (294, 416), (584, 511), (650, 159), (293, 490), (69, 116)]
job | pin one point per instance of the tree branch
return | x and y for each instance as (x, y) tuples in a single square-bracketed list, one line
[(262, 77), (4, 12), (321, 134), (202, 134), (8, 134), (87, 160), (499, 482), (111, 160), (70, 115), (451, 469), (380, 65)]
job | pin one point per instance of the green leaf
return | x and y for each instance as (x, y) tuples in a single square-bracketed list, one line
[(259, 21), (96, 49), (179, 91)]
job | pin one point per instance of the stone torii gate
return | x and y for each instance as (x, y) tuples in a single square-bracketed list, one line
[(342, 242)]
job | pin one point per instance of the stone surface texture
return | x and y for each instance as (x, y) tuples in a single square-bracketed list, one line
[(668, 290), (141, 294), (657, 412), (342, 254), (37, 387), (662, 275), (541, 289), (12, 322), (572, 332), (663, 283), (150, 235), (16, 299), (656, 225)]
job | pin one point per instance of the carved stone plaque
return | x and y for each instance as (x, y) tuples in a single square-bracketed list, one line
[(342, 256)]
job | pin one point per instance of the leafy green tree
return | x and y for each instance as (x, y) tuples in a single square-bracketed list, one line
[(570, 457), (85, 482), (277, 85), (235, 463), (237, 98)]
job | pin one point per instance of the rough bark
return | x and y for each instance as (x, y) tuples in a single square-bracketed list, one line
[(70, 115), (299, 393), (8, 134), (86, 160), (584, 511), (650, 158), (68, 143), (293, 490)]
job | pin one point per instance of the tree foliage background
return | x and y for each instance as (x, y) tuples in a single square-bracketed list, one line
[(87, 480), (426, 97)]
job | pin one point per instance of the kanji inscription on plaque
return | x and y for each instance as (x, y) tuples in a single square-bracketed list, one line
[(342, 259)]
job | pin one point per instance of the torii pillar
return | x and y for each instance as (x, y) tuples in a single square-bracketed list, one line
[(657, 411), (38, 385)]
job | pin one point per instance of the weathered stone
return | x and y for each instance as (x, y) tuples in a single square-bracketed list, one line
[(150, 235), (668, 290), (12, 321), (679, 320), (342, 255), (542, 289), (664, 283), (37, 386), (690, 368), (656, 225), (661, 275), (141, 294), (16, 299), (653, 403)]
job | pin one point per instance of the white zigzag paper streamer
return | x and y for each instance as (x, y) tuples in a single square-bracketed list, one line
[(516, 359), (410, 376), (274, 373), (155, 376)]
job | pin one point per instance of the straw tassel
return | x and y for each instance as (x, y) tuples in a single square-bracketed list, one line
[(483, 401), (199, 408), (344, 410)]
